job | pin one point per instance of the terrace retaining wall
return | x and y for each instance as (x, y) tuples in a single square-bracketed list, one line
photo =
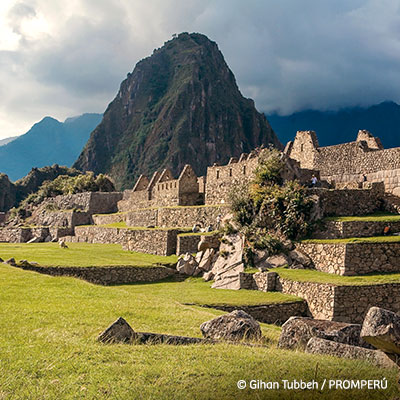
[(343, 303), (107, 275), (348, 229), (275, 313), (153, 241), (354, 258)]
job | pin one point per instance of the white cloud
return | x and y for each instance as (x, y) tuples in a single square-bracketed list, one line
[(63, 58)]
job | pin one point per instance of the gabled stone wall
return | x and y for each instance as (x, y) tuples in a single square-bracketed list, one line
[(348, 162)]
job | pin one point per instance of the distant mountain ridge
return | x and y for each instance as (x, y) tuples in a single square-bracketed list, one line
[(179, 106), (334, 127), (48, 142), (5, 141)]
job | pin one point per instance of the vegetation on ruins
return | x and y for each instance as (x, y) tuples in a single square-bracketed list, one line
[(270, 210), (48, 345), (63, 184)]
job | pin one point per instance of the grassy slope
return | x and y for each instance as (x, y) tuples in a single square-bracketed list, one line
[(80, 255), (48, 350), (373, 239), (307, 275), (383, 217)]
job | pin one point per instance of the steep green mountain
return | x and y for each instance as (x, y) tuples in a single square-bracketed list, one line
[(382, 120), (47, 142), (180, 105)]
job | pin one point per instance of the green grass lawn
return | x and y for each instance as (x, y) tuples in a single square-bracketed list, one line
[(48, 348), (380, 217), (372, 239), (308, 275), (80, 255)]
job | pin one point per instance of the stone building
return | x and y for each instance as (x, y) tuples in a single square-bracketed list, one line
[(364, 160)]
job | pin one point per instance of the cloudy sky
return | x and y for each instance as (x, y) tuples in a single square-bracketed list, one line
[(63, 58)]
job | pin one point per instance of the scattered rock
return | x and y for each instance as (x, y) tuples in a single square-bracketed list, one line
[(11, 261), (279, 260), (321, 346), (208, 242), (206, 261), (118, 332), (301, 258), (48, 239), (187, 264), (297, 331), (381, 328), (236, 325), (1, 260), (208, 276)]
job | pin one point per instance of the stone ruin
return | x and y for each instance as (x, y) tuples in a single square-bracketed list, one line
[(157, 214)]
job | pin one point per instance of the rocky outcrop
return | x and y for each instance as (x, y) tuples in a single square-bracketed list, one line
[(118, 332), (179, 106), (321, 346), (236, 325), (229, 264), (381, 328), (297, 331)]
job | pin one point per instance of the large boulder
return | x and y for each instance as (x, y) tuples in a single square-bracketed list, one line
[(299, 257), (321, 346), (207, 259), (236, 325), (279, 260), (229, 263), (381, 328), (118, 332), (187, 265), (297, 331), (208, 242)]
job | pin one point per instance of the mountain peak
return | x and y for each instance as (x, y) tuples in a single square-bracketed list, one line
[(179, 106)]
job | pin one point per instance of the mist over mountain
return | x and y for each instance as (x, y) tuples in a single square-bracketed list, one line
[(47, 142), (180, 105), (334, 127)]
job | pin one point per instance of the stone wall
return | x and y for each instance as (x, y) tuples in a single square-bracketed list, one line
[(23, 235), (15, 235), (107, 275), (343, 303), (348, 229), (221, 179), (348, 162), (353, 302), (349, 201), (67, 218), (145, 217), (105, 219), (92, 202), (187, 244), (188, 216), (320, 297), (354, 258), (176, 216), (275, 313), (153, 241)]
